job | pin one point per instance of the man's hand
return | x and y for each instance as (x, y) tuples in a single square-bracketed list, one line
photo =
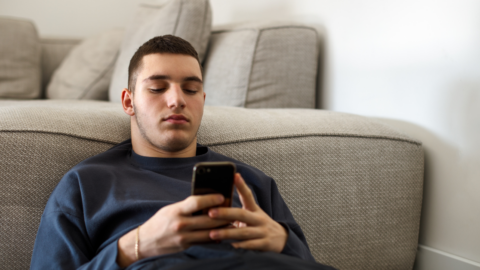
[(171, 229), (253, 227)]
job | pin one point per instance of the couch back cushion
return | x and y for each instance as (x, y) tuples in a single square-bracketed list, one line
[(87, 70), (20, 52), (262, 65), (188, 19), (54, 51)]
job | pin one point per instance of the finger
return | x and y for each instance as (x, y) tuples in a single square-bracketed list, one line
[(187, 239), (237, 233), (254, 244), (246, 196), (202, 222), (234, 214), (198, 202)]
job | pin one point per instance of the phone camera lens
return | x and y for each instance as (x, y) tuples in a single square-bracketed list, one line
[(201, 171)]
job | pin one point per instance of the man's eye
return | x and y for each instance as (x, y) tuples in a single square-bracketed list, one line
[(157, 90), (191, 92)]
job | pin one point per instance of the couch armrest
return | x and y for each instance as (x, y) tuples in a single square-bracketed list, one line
[(353, 184)]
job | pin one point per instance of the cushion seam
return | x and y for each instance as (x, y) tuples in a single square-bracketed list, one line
[(263, 28), (200, 40), (63, 134), (234, 141), (259, 32), (314, 135), (178, 19)]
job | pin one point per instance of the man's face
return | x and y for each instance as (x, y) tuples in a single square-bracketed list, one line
[(168, 101)]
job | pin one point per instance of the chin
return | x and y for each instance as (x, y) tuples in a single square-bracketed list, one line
[(173, 145), (169, 140)]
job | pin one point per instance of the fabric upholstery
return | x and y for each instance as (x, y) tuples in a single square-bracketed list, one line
[(54, 50), (262, 65), (20, 52), (188, 19), (41, 140), (44, 157), (87, 70), (357, 200), (354, 185), (93, 120)]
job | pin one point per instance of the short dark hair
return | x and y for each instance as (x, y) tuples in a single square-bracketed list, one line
[(161, 44)]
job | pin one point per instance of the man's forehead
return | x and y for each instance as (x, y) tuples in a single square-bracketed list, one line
[(169, 65), (166, 66)]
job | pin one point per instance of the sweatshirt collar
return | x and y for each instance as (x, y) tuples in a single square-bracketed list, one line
[(155, 163)]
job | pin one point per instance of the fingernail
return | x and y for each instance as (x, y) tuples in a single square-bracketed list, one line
[(213, 212), (213, 235), (219, 198)]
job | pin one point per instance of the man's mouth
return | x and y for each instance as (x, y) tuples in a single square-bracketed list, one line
[(176, 119)]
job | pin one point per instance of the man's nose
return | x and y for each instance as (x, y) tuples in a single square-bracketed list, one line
[(175, 97)]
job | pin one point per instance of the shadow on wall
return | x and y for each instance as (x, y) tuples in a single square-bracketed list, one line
[(462, 115), (450, 211)]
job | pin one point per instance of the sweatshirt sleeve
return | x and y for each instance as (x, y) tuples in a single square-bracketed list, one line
[(61, 243), (296, 244), (62, 240)]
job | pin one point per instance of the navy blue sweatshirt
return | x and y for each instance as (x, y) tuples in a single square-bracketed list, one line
[(105, 196)]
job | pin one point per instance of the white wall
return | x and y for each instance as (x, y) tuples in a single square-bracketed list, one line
[(413, 63), (71, 18)]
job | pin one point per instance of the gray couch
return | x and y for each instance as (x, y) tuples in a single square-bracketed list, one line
[(353, 184)]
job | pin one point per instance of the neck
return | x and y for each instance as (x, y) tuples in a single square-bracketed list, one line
[(144, 148)]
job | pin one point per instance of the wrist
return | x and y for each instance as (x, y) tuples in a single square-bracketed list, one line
[(126, 249), (284, 237)]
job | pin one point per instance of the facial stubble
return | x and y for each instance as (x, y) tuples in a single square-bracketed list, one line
[(174, 145)]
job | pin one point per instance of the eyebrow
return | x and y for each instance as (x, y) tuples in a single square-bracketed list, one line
[(192, 79), (165, 77)]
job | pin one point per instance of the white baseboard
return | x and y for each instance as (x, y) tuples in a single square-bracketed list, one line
[(433, 259)]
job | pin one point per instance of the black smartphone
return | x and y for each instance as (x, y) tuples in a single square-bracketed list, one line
[(214, 177)]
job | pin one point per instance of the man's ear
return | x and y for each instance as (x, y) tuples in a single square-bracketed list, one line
[(127, 102)]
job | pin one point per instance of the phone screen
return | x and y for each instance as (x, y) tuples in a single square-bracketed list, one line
[(214, 177)]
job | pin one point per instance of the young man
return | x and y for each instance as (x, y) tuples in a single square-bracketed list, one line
[(131, 206)]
